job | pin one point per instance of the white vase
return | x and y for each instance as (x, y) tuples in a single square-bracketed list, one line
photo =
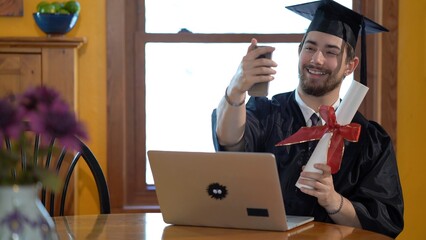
[(23, 216)]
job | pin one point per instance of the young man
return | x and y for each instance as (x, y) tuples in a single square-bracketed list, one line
[(366, 191)]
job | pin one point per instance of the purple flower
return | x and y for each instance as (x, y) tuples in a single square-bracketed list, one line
[(10, 124), (50, 116), (58, 122), (38, 99)]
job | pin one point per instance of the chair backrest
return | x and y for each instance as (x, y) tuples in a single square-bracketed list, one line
[(64, 163)]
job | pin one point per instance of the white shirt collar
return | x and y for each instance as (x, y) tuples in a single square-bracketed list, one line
[(307, 111)]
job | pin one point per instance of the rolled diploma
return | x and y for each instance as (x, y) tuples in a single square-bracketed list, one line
[(344, 115)]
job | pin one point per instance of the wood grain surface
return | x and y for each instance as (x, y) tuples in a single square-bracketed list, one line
[(11, 8)]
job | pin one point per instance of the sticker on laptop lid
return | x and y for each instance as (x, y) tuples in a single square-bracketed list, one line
[(217, 191)]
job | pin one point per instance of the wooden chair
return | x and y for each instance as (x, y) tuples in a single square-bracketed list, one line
[(64, 163)]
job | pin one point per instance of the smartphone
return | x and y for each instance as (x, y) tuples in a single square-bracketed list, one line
[(260, 89)]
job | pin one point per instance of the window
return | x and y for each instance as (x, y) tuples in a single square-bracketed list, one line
[(225, 16)]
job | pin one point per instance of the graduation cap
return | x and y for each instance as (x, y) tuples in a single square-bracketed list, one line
[(330, 17)]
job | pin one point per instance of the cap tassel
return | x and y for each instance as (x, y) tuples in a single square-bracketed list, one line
[(363, 54)]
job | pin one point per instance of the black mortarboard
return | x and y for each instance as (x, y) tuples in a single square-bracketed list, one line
[(330, 17)]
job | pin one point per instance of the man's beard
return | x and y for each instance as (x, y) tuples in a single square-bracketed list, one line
[(319, 90)]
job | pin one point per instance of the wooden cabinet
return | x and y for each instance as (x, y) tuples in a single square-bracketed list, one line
[(31, 61), (19, 71), (50, 61)]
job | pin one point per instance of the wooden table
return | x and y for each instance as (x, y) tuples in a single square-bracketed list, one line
[(152, 226)]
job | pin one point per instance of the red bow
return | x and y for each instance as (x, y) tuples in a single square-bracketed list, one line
[(349, 132)]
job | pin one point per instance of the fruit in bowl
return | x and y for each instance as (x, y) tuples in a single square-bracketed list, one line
[(68, 7), (57, 18)]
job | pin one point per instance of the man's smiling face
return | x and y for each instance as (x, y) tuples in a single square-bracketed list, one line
[(322, 63)]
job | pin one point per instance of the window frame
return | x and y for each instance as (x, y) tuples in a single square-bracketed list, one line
[(126, 36)]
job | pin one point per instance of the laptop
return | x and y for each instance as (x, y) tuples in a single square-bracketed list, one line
[(221, 189)]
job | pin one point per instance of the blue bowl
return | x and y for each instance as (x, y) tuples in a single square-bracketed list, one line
[(55, 24)]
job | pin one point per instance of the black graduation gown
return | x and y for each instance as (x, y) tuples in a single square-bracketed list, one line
[(368, 176)]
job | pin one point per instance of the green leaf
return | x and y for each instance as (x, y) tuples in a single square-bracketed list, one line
[(49, 179)]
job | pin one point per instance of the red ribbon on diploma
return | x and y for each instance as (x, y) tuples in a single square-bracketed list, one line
[(349, 132)]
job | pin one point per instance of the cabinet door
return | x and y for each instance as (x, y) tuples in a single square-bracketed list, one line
[(18, 72)]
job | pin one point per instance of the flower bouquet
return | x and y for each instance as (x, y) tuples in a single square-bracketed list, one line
[(38, 111)]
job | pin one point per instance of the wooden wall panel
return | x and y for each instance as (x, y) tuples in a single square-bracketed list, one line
[(390, 69)]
